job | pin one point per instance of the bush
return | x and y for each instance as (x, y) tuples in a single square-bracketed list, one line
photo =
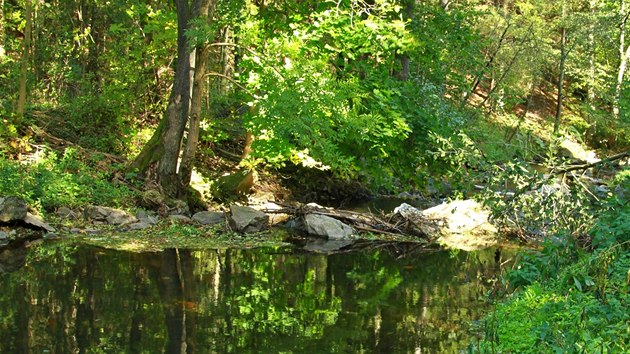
[(571, 300), (51, 182)]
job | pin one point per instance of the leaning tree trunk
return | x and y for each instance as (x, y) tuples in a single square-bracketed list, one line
[(188, 157), (164, 146), (487, 66), (178, 107)]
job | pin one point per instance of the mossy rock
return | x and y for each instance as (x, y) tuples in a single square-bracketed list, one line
[(152, 199), (195, 200), (235, 185)]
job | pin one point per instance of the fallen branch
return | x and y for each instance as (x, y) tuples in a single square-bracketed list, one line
[(592, 164), (62, 142)]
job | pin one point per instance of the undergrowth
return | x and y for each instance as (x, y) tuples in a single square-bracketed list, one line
[(568, 298), (49, 181)]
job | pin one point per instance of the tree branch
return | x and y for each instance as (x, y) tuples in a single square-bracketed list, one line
[(593, 164)]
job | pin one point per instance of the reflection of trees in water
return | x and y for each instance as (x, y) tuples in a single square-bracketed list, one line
[(177, 301)]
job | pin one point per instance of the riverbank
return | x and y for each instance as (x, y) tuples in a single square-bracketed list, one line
[(567, 296)]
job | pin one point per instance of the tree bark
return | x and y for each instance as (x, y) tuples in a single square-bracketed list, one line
[(21, 103), (2, 28), (178, 107), (403, 74), (624, 53), (164, 146), (188, 157), (591, 56), (560, 84)]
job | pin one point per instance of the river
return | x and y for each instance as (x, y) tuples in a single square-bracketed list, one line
[(64, 297)]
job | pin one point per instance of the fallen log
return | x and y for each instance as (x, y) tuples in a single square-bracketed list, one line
[(462, 224), (393, 224)]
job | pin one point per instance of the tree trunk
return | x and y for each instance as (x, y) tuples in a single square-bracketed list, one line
[(2, 28), (21, 103), (487, 66), (403, 74), (188, 157), (563, 57), (624, 53), (178, 107), (164, 146), (591, 58)]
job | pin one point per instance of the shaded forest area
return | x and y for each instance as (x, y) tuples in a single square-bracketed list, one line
[(395, 95), (522, 105)]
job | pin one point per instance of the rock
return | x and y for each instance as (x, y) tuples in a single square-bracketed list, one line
[(66, 213), (152, 199), (119, 217), (97, 213), (326, 246), (178, 207), (37, 221), (109, 215), (274, 217), (407, 211), (462, 224), (141, 225), (575, 151), (4, 238), (246, 219), (12, 208), (233, 185), (550, 189), (12, 260), (601, 190), (52, 236), (325, 226), (147, 218), (180, 219), (209, 217), (404, 195)]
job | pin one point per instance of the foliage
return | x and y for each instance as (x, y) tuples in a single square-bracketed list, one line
[(572, 300), (536, 203), (53, 181)]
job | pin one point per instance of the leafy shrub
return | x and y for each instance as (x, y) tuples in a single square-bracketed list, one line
[(571, 300)]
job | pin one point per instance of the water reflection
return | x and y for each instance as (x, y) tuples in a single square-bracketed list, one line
[(79, 299)]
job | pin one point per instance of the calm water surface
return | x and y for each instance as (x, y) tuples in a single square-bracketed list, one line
[(64, 298)]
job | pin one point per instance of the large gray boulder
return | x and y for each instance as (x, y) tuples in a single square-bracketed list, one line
[(246, 219), (462, 224), (209, 217), (12, 208), (327, 227)]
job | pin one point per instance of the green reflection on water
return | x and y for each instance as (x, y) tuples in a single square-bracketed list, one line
[(72, 298)]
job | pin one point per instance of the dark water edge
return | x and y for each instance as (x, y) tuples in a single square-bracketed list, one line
[(70, 298)]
